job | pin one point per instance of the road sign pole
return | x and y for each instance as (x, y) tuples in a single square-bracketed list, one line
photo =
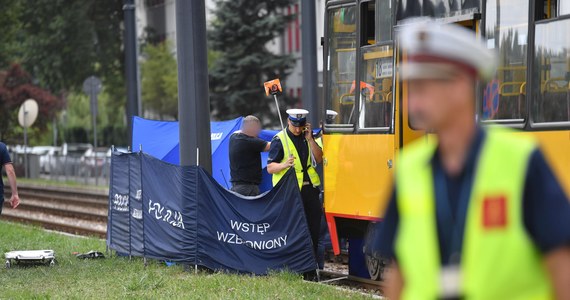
[(27, 114), (93, 100), (25, 142)]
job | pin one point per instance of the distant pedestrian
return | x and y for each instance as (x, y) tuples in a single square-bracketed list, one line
[(6, 163), (245, 158)]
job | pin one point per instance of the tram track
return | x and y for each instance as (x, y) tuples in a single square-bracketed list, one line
[(354, 283), (70, 210)]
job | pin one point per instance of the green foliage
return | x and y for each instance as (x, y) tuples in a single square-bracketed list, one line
[(63, 42), (77, 125), (160, 81), (16, 87), (239, 33), (120, 278), (8, 30)]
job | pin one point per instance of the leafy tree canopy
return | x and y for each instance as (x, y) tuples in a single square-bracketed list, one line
[(239, 33), (160, 81), (15, 87), (63, 42)]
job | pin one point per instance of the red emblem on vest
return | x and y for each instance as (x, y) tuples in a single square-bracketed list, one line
[(495, 212)]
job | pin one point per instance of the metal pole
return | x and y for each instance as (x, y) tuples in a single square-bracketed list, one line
[(54, 127), (309, 56), (94, 120), (193, 98), (131, 67), (282, 126), (25, 141)]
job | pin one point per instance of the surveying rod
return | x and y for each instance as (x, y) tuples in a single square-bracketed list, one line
[(273, 87)]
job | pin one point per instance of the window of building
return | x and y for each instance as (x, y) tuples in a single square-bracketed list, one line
[(551, 76), (506, 23)]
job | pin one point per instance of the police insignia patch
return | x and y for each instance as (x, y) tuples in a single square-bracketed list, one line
[(495, 212)]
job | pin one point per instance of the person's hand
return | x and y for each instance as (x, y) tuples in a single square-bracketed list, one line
[(308, 131), (14, 201), (289, 163)]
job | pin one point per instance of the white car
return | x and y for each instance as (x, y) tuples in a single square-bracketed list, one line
[(48, 157)]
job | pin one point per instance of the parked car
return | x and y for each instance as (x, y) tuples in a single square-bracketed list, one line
[(95, 157), (49, 156), (76, 150)]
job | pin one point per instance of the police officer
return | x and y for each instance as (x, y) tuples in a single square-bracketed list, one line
[(296, 147), (478, 214)]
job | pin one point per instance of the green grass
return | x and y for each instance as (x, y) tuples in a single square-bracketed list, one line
[(56, 183), (119, 278)]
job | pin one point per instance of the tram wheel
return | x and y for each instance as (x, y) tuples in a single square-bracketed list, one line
[(376, 267)]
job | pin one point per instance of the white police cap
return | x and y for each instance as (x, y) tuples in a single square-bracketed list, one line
[(436, 50), (298, 116)]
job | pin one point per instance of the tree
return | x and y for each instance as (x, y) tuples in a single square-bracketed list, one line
[(239, 34), (160, 81), (63, 42), (15, 87)]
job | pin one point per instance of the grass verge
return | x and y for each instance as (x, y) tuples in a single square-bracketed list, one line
[(119, 278)]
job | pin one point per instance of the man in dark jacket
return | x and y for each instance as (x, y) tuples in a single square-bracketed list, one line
[(245, 158)]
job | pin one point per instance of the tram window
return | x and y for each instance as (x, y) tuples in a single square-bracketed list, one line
[(563, 7), (504, 96), (545, 9), (376, 87), (436, 8), (367, 23), (551, 76), (341, 63), (384, 18)]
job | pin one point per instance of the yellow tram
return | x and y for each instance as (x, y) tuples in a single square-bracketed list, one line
[(530, 91)]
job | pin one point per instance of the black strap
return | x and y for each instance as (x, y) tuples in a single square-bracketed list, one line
[(452, 226)]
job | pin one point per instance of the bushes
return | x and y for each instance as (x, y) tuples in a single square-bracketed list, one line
[(106, 136)]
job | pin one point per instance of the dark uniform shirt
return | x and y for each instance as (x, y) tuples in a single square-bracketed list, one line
[(245, 158), (277, 151), (4, 159), (546, 210)]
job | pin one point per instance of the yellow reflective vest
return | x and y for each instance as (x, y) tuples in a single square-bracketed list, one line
[(498, 260), (313, 175)]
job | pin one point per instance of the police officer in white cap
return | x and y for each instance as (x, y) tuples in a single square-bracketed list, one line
[(296, 147), (477, 214)]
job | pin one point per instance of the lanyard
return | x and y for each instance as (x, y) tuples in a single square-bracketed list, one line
[(452, 226)]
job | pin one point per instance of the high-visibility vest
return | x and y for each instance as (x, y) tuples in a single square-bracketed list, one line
[(498, 259), (313, 175)]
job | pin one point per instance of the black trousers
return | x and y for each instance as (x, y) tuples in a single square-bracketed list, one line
[(246, 189), (313, 212)]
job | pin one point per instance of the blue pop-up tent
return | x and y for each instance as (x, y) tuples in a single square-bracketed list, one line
[(161, 140)]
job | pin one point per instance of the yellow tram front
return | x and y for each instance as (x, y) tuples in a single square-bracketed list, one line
[(530, 91)]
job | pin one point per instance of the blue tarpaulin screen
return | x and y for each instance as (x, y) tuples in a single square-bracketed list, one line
[(166, 148), (186, 216)]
